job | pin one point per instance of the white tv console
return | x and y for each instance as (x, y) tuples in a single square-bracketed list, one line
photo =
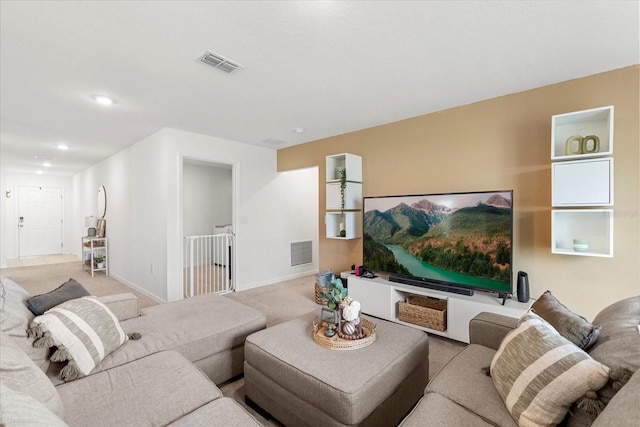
[(380, 297)]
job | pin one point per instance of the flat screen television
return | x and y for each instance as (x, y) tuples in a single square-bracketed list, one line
[(458, 242)]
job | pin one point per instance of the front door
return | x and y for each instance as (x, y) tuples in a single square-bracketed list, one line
[(39, 221)]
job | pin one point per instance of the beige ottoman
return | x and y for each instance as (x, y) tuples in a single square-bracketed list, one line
[(302, 384)]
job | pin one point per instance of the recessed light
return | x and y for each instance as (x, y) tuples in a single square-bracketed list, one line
[(46, 164), (62, 146), (39, 172), (103, 100), (298, 130)]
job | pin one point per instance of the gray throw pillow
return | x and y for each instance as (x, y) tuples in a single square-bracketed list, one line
[(539, 374), (65, 292), (573, 327)]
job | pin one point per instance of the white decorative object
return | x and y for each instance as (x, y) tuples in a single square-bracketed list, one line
[(351, 312)]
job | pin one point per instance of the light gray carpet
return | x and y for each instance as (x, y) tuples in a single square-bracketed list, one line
[(40, 279)]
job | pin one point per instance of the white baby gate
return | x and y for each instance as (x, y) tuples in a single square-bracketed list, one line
[(207, 264)]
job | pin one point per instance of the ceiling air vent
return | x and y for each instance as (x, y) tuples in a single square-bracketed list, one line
[(219, 62)]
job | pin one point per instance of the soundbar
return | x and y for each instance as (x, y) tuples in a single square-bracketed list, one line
[(429, 284)]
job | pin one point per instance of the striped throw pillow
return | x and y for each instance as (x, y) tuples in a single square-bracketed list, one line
[(539, 374), (83, 329)]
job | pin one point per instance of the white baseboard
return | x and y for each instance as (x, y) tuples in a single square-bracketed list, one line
[(138, 288), (278, 280)]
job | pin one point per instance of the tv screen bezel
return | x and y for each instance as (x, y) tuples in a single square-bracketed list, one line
[(441, 283)]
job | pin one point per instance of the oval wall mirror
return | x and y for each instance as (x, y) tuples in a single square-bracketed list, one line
[(102, 202)]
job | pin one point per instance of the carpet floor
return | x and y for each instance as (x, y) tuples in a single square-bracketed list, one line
[(279, 302)]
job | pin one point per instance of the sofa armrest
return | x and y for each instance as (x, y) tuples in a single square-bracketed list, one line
[(489, 329), (124, 306)]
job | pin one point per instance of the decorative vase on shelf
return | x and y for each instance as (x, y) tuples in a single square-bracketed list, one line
[(343, 232)]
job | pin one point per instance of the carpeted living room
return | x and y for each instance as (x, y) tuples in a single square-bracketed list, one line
[(320, 213)]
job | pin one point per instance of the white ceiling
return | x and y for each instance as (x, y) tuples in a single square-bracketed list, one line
[(329, 67)]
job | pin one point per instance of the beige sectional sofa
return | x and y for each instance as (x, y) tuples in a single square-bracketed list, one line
[(167, 377), (462, 393)]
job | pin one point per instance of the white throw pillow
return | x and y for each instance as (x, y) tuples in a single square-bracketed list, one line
[(83, 329)]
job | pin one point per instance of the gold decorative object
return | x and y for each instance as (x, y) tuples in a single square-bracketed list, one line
[(569, 145)]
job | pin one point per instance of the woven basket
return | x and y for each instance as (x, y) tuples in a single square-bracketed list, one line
[(319, 291), (424, 311), (337, 343)]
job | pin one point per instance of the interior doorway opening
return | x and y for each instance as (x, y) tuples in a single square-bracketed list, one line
[(207, 227)]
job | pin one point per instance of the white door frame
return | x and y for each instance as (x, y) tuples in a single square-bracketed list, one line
[(180, 219)]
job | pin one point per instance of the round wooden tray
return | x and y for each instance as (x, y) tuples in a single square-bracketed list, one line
[(337, 343)]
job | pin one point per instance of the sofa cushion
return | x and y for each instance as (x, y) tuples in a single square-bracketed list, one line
[(155, 390), (20, 373), (573, 327), (84, 331), (463, 382), (619, 342), (20, 409), (436, 410), (70, 289), (624, 410), (15, 318), (539, 373), (222, 412), (196, 327)]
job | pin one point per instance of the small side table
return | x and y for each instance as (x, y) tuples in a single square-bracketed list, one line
[(95, 254)]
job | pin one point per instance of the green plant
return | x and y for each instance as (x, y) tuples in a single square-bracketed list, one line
[(343, 186), (337, 292), (99, 258)]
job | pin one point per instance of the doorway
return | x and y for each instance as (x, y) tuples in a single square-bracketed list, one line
[(207, 227), (39, 221)]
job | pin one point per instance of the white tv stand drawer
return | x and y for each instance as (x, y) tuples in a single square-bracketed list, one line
[(380, 297)]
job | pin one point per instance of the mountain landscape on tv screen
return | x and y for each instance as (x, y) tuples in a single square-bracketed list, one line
[(473, 240)]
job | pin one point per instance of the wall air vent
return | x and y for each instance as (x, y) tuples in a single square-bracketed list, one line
[(301, 253), (219, 62)]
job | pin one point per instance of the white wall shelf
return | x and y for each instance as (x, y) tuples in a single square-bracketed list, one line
[(352, 225), (596, 121), (352, 196), (582, 183), (595, 226), (351, 220), (380, 298), (351, 162), (582, 177)]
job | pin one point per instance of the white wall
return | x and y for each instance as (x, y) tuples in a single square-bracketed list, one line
[(144, 210), (207, 198), (9, 210)]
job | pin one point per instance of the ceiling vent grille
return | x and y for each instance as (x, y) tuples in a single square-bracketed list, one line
[(219, 62)]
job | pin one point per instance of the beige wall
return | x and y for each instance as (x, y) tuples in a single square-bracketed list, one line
[(502, 144)]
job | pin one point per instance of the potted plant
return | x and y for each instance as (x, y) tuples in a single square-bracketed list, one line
[(99, 260), (343, 186), (337, 292)]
